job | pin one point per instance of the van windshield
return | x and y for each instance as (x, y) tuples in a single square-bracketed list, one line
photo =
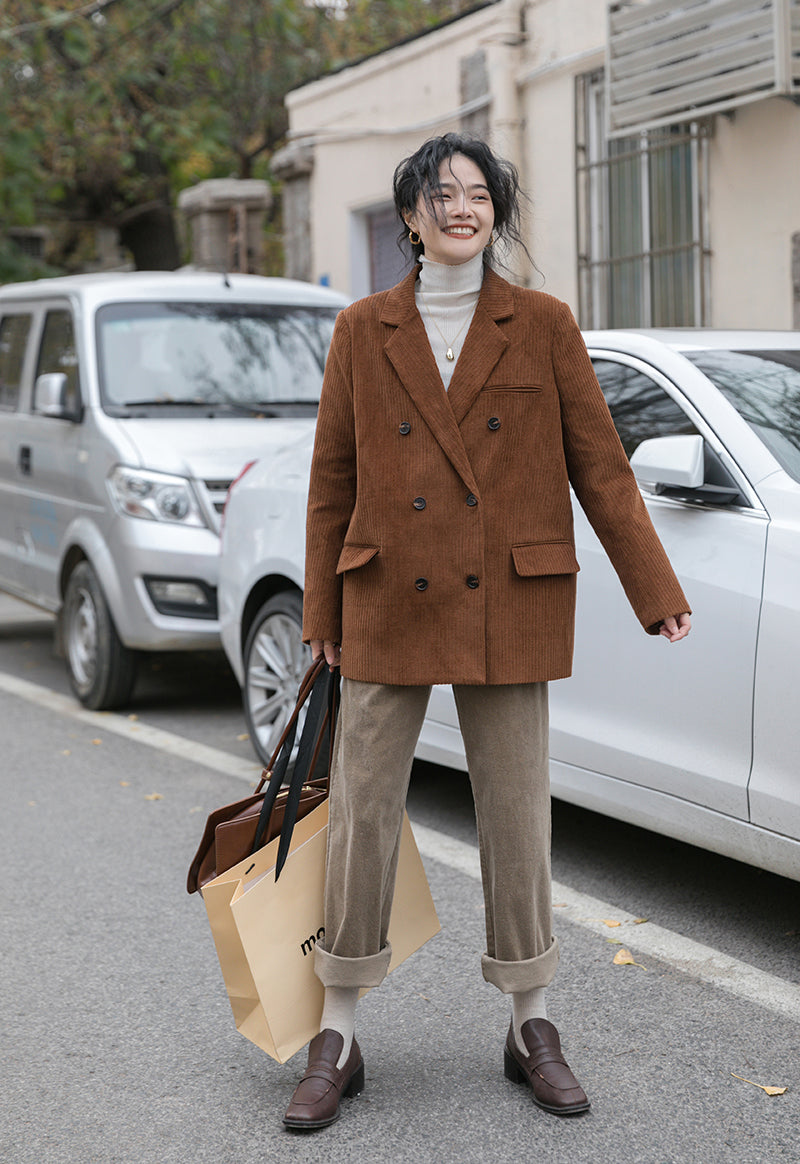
[(165, 358)]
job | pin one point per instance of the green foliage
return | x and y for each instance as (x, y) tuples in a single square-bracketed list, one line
[(115, 107)]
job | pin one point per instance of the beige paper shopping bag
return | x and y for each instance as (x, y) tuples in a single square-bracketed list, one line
[(265, 932)]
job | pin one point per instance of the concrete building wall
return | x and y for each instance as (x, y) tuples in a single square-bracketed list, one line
[(754, 196), (362, 121)]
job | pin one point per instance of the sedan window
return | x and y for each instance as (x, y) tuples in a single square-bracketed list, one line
[(764, 388), (639, 407)]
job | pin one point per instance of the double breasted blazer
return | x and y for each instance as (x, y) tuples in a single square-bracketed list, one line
[(439, 541)]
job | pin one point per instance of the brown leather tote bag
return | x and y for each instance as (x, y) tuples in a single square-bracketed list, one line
[(238, 830)]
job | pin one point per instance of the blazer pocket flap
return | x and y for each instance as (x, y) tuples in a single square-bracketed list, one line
[(545, 558), (352, 557)]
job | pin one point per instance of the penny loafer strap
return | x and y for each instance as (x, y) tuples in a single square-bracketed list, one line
[(546, 1056), (326, 1071)]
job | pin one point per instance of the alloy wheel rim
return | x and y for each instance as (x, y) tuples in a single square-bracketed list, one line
[(277, 662)]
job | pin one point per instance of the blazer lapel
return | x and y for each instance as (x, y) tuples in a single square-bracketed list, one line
[(410, 353), (484, 345)]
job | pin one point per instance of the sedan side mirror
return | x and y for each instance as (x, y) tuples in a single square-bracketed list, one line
[(686, 468), (670, 460), (50, 396)]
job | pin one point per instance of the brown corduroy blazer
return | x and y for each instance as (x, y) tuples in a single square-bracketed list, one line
[(440, 541)]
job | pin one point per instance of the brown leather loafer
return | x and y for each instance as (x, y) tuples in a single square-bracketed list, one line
[(554, 1086), (315, 1103)]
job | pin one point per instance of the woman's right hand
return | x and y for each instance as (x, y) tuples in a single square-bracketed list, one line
[(331, 651)]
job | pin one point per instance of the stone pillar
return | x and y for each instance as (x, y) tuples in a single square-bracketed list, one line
[(225, 217), (293, 166)]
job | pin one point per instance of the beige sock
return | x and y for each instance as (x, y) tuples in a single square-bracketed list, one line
[(527, 1004), (339, 1014)]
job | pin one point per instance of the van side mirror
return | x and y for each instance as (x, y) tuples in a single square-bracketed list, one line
[(686, 468), (51, 396)]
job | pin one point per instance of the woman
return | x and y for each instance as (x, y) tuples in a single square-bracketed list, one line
[(456, 411)]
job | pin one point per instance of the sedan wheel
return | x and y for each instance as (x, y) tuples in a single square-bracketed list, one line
[(275, 660)]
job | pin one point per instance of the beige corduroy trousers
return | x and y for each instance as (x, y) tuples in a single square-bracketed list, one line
[(505, 732)]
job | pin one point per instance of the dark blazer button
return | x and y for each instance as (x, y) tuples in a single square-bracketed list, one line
[(421, 583), (473, 581), (472, 499), (493, 423), (419, 503), (405, 428)]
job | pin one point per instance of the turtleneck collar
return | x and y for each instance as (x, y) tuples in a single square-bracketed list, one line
[(443, 277)]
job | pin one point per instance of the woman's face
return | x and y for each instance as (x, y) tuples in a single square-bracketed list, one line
[(458, 224)]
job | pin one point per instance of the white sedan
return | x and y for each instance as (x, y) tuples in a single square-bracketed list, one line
[(701, 741)]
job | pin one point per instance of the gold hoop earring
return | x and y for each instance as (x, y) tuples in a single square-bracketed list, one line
[(491, 241), (414, 241)]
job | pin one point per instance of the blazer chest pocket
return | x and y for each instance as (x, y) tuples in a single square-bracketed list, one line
[(513, 387), (535, 558), (352, 557)]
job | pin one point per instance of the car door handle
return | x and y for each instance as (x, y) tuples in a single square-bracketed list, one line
[(24, 461)]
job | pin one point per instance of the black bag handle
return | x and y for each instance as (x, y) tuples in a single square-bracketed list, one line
[(307, 752), (323, 687), (310, 677)]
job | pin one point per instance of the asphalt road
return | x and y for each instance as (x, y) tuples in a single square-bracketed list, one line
[(118, 1043)]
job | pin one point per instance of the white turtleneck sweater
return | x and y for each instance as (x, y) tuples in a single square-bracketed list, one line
[(446, 297)]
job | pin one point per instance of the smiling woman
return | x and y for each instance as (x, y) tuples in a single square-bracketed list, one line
[(455, 223), (456, 410)]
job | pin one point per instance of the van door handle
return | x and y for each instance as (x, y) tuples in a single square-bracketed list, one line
[(25, 459)]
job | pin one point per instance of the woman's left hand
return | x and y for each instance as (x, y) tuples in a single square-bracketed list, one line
[(675, 627)]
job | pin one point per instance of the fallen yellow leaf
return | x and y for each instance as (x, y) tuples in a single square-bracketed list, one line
[(32, 804), (625, 958), (774, 1090), (134, 717), (609, 921), (244, 736), (769, 1090), (66, 752), (97, 742), (124, 783), (154, 796), (638, 921)]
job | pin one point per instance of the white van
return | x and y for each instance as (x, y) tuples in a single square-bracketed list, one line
[(128, 404)]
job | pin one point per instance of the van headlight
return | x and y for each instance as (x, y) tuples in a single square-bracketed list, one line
[(154, 496)]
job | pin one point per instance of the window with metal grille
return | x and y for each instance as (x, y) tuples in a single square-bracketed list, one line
[(642, 232)]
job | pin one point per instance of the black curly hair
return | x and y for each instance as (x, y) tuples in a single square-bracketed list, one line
[(419, 175)]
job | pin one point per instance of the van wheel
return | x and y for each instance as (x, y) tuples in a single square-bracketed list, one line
[(275, 660), (102, 671)]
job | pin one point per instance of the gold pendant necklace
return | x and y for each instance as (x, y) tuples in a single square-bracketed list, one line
[(449, 353)]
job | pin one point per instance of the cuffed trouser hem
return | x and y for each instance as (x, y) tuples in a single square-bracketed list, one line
[(362, 972), (511, 977)]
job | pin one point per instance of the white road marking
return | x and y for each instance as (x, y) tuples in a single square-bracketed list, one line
[(121, 725), (647, 939)]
